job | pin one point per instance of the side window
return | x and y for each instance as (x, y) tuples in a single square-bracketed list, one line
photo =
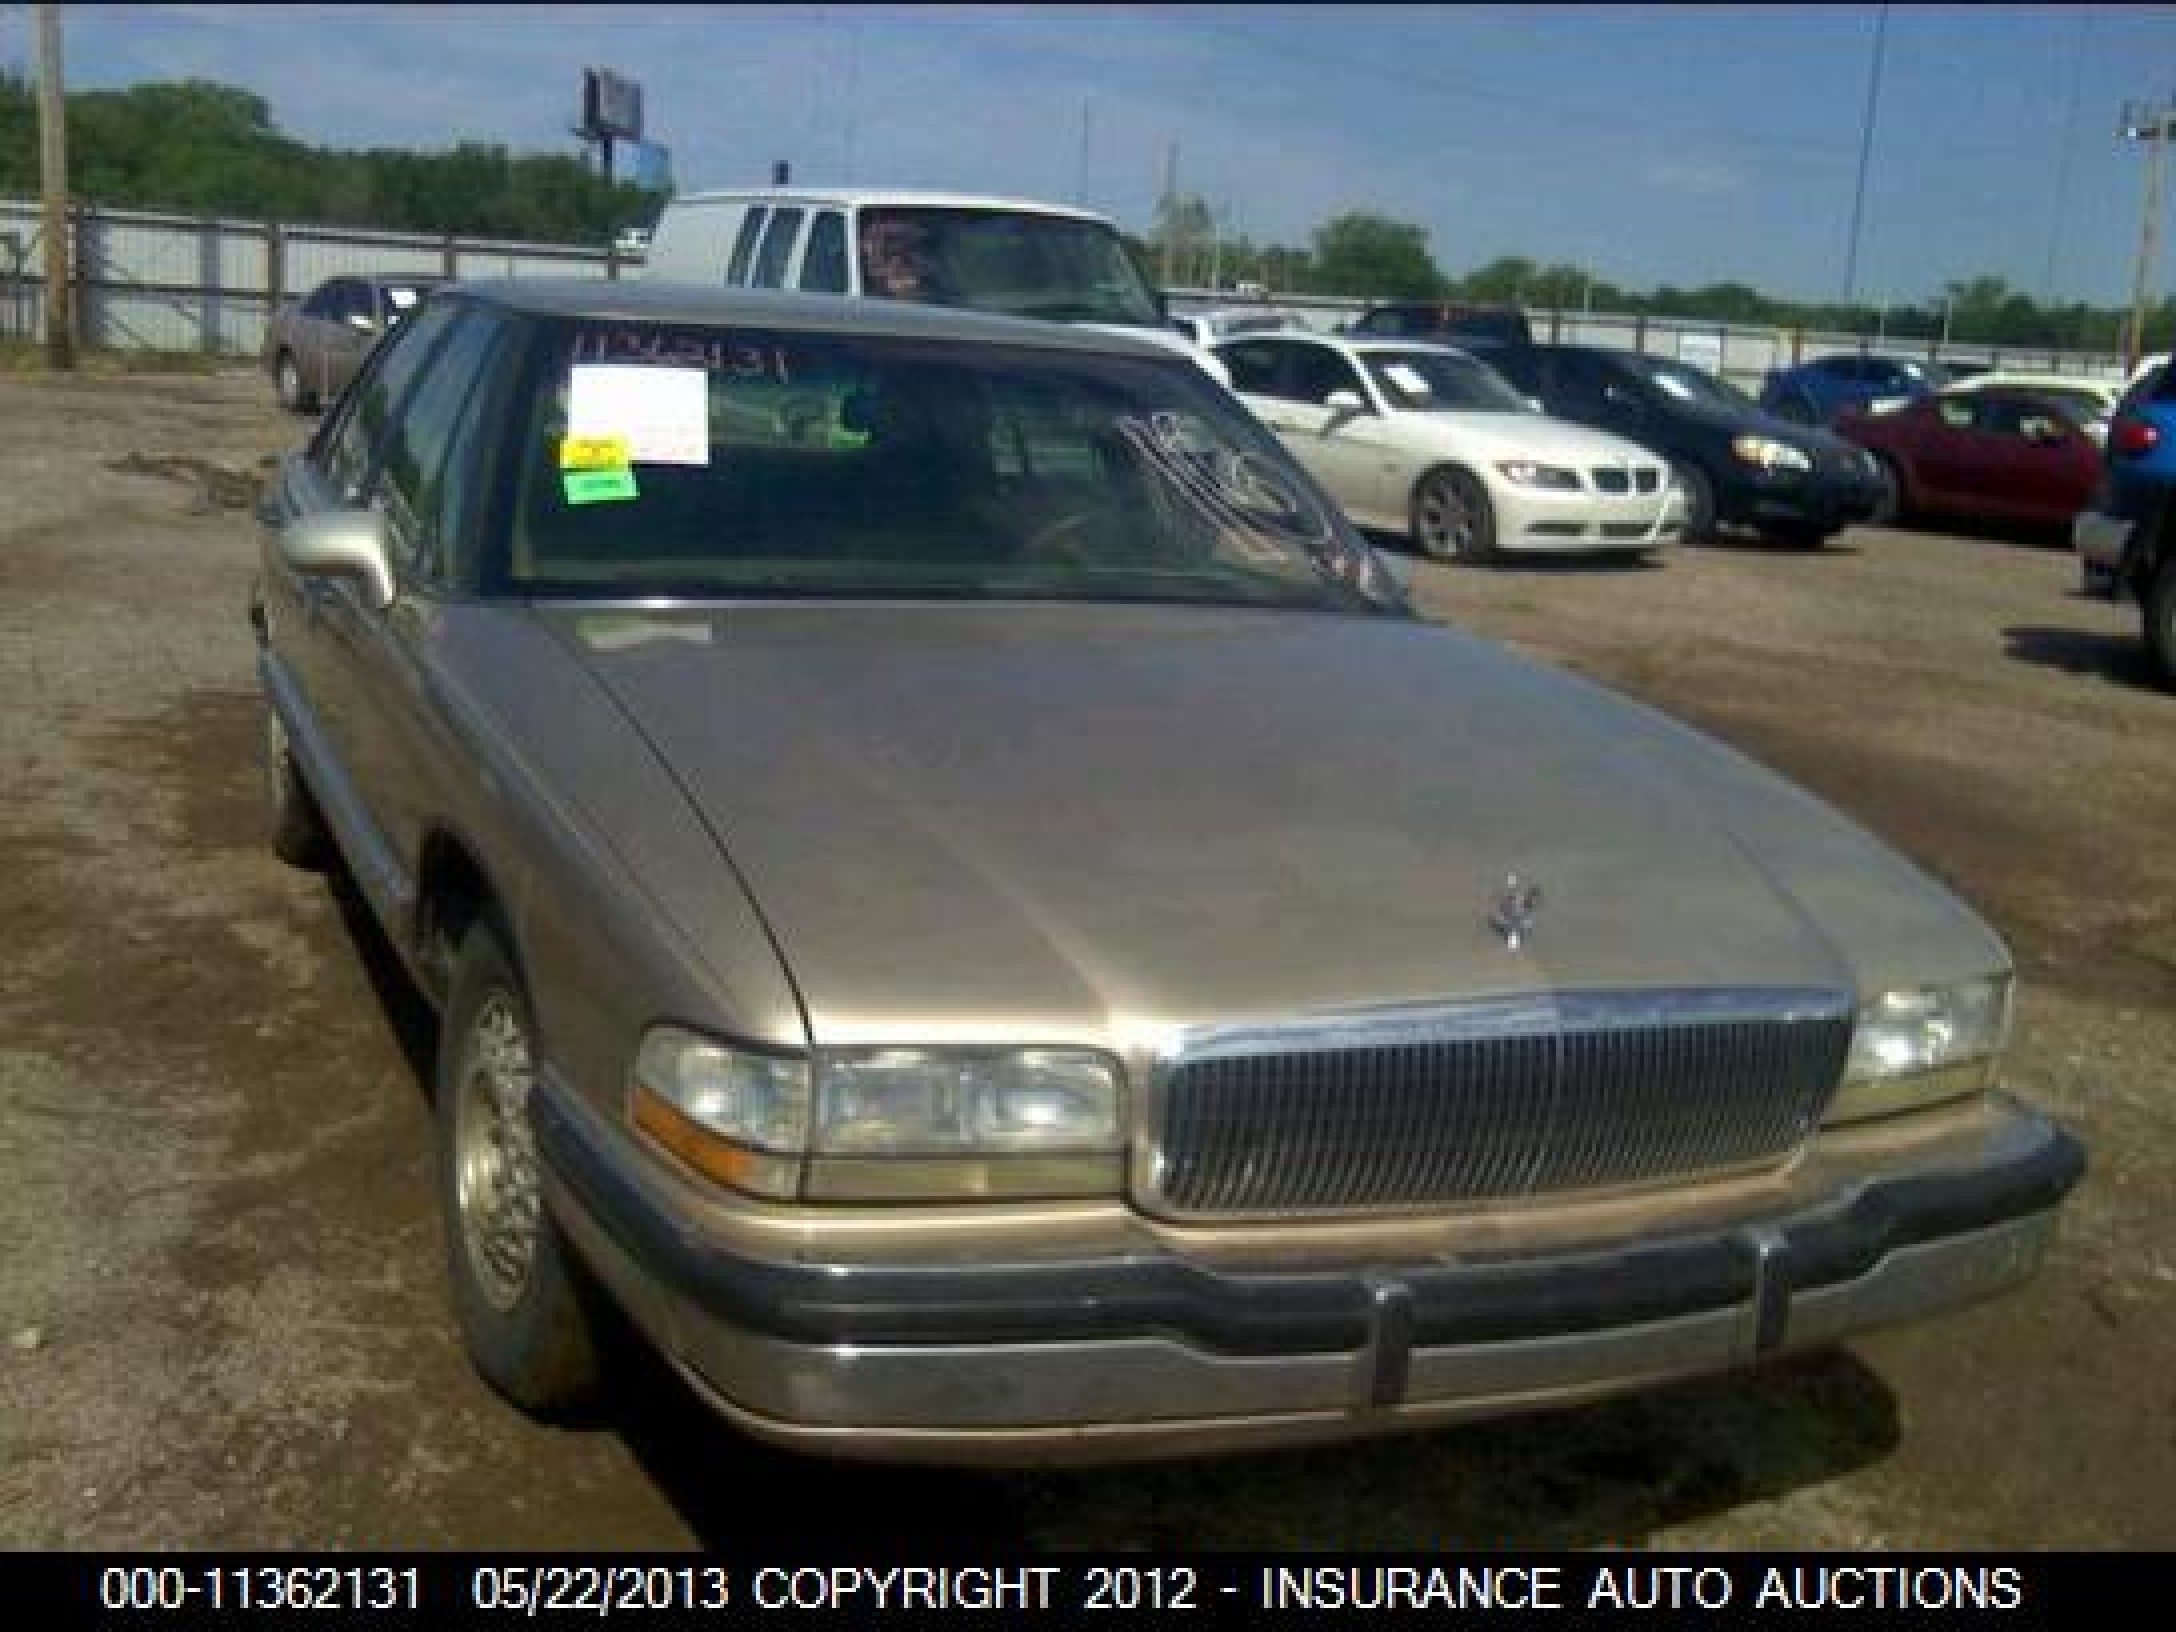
[(1317, 371), (1253, 366), (346, 445), (823, 266), (744, 246), (353, 300), (324, 301), (778, 241), (2016, 416), (423, 485)]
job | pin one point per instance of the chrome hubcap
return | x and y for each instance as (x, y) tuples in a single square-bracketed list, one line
[(495, 1168)]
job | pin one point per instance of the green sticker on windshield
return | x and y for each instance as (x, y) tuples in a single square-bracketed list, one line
[(598, 486)]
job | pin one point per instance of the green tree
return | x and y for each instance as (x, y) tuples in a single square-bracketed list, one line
[(1372, 255)]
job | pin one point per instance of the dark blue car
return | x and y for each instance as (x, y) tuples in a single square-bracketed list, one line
[(2127, 540), (1815, 392)]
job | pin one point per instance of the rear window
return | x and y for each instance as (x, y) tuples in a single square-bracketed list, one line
[(1016, 262)]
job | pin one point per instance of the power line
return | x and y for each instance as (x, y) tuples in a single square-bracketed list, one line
[(1866, 148), (2062, 174)]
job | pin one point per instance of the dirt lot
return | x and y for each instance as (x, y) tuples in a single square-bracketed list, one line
[(222, 1313)]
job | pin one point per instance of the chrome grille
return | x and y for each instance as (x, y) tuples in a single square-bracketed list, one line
[(1647, 479), (1494, 1101), (1608, 479)]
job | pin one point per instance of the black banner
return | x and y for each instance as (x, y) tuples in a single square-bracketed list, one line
[(83, 1589)]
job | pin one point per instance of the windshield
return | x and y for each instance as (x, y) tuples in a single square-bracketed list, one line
[(1019, 263), (1435, 382), (680, 460), (1683, 383)]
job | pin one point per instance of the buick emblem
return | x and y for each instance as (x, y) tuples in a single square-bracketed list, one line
[(1518, 904)]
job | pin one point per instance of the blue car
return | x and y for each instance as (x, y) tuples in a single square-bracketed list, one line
[(2126, 541), (1815, 392)]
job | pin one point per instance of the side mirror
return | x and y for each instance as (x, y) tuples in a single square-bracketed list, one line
[(1344, 405), (342, 544)]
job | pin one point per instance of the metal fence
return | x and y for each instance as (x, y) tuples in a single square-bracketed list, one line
[(157, 282), (1740, 353), (145, 280)]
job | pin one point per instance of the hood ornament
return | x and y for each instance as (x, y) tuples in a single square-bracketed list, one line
[(1518, 904)]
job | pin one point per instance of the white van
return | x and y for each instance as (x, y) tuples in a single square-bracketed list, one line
[(1008, 255)]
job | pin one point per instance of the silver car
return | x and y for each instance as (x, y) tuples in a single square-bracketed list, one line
[(961, 896), (314, 346)]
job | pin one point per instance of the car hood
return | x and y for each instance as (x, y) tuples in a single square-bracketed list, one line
[(1526, 436), (1036, 822)]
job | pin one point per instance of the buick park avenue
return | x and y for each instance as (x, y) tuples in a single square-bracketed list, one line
[(962, 898)]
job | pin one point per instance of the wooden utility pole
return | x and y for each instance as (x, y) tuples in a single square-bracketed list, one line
[(2153, 124), (60, 314)]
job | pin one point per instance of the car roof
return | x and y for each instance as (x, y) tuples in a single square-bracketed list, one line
[(887, 198), (664, 301)]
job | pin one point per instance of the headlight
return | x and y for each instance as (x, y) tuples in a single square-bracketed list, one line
[(901, 1123), (1769, 454), (735, 1116), (1527, 473), (1922, 1045), (885, 1124)]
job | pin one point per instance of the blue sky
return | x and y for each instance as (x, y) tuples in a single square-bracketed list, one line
[(1653, 143)]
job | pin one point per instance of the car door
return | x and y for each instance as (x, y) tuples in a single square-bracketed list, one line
[(315, 624), (1946, 452), (315, 328), (1348, 452), (2033, 463), (426, 483)]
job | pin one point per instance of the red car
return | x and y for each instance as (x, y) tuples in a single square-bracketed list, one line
[(1992, 455)]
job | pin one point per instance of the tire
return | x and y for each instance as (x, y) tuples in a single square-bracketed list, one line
[(524, 1307), (1451, 518), (297, 826), (2158, 610), (1890, 509), (1699, 503), (295, 396)]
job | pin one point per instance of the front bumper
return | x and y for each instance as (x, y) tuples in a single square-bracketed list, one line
[(1094, 1358), (2100, 541), (1539, 519), (1825, 499)]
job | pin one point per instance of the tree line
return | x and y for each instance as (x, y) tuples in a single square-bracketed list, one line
[(199, 148), (1373, 256)]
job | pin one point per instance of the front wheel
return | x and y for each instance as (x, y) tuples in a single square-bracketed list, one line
[(517, 1291), (1889, 507), (2159, 606), (298, 828), (295, 396), (1699, 503), (1452, 518)]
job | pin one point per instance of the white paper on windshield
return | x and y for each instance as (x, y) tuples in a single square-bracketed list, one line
[(664, 413), (1408, 379), (403, 298), (1676, 387)]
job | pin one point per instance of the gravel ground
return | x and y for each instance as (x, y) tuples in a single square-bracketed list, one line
[(223, 1318)]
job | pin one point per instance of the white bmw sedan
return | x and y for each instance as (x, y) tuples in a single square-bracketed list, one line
[(1431, 442)]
